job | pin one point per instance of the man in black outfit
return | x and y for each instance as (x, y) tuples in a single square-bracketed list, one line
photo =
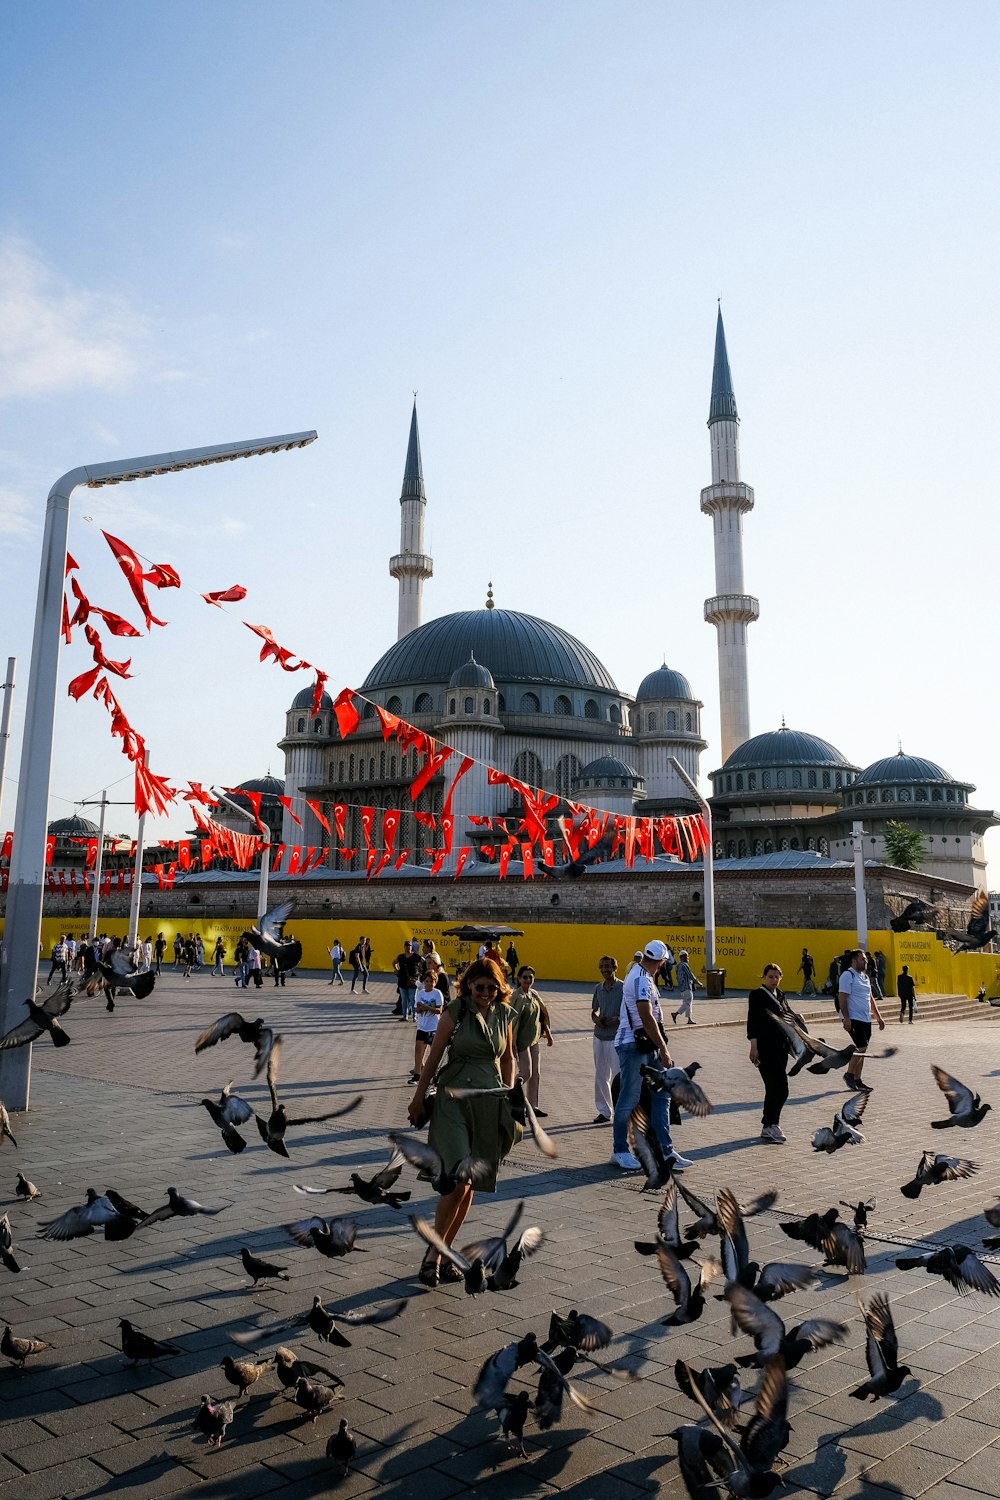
[(906, 990), (769, 1051)]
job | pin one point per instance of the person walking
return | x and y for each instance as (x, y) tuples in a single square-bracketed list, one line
[(178, 950), (512, 959), (477, 1032), (199, 953), (219, 956), (190, 957), (277, 974), (253, 970), (336, 958), (147, 955), (769, 1050), (686, 986), (357, 962), (429, 1005), (605, 1012), (857, 1005), (640, 1041), (58, 958), (667, 972), (159, 949), (907, 992), (407, 967), (807, 969), (531, 1024)]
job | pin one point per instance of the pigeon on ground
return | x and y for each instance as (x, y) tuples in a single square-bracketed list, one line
[(243, 1373), (99, 1212), (477, 1261), (553, 1385), (17, 1350), (341, 1449), (272, 1130), (490, 1388), (229, 1112), (720, 1386), (283, 952), (577, 1331), (471, 1169), (24, 1189), (502, 1264), (706, 1462), (668, 1228), (860, 1212), (42, 1018), (689, 1298), (844, 1131), (255, 1033), (881, 1351), (766, 1434), (213, 1418), (966, 1109), (959, 1266), (978, 931), (769, 1334), (137, 1345), (331, 1237), (376, 1189), (7, 1256), (513, 1414), (678, 1083), (178, 1206), (521, 1110), (315, 1398), (933, 1169), (290, 1368), (261, 1270), (323, 1322), (5, 1131)]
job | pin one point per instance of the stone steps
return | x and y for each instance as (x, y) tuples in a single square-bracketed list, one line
[(928, 1008)]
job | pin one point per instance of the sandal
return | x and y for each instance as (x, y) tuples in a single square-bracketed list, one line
[(430, 1272), (448, 1271)]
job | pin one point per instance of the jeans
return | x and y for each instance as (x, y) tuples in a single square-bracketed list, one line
[(408, 999), (57, 963), (775, 1080), (629, 1062), (360, 969), (338, 978), (605, 1068)]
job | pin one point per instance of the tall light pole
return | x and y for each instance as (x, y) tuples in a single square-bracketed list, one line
[(860, 898), (95, 900), (133, 905), (707, 865), (8, 699), (27, 867), (265, 853)]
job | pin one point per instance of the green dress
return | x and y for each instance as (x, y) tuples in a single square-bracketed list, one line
[(477, 1127), (527, 1015)]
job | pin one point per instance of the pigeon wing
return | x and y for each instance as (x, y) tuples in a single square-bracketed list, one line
[(960, 1098), (25, 1031), (430, 1236), (59, 1002), (593, 1334), (377, 1315), (334, 1114), (978, 1277), (954, 1167), (818, 1332), (755, 1318), (853, 1110), (781, 1277), (731, 1224), (541, 1139), (417, 1152), (272, 922), (219, 1030), (676, 1279)]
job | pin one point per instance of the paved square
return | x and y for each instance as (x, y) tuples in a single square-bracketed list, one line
[(119, 1108)]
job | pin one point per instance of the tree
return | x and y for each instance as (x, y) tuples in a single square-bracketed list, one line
[(905, 846)]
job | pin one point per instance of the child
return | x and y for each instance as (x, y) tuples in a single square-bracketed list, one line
[(430, 1004)]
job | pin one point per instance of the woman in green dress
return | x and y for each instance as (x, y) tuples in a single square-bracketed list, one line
[(475, 1029)]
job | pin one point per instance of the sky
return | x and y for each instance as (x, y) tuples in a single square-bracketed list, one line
[(239, 219)]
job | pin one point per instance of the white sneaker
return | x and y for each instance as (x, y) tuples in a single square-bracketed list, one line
[(778, 1135), (626, 1161), (678, 1163)]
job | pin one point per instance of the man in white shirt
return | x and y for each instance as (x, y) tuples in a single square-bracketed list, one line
[(640, 1013), (857, 1004)]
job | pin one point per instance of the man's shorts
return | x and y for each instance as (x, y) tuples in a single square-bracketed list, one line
[(428, 1036), (861, 1034)]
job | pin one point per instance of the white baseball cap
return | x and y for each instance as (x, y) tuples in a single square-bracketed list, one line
[(655, 949)]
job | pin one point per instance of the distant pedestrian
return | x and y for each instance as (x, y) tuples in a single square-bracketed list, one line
[(58, 958), (159, 948), (253, 969), (178, 949), (512, 959), (337, 957), (531, 1026), (357, 962), (368, 954), (807, 969), (407, 968), (880, 971), (199, 951), (278, 974), (190, 957), (686, 986), (667, 972), (605, 1012), (769, 1050), (871, 969), (907, 992), (147, 955), (219, 956)]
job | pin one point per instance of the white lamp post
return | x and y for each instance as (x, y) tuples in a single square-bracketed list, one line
[(860, 899), (27, 867), (265, 853), (708, 867)]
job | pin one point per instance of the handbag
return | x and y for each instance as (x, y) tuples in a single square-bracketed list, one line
[(643, 1041)]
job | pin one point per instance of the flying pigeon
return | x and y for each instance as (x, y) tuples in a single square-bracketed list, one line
[(978, 931), (375, 1189), (272, 1130), (881, 1352), (284, 953), (177, 1206), (933, 1169), (229, 1112), (965, 1109), (331, 1237), (844, 1131), (471, 1169), (42, 1018), (770, 1335), (959, 1266), (255, 1033)]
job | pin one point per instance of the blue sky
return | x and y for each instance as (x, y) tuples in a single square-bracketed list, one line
[(240, 218)]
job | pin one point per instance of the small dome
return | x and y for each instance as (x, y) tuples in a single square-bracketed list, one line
[(267, 784), (472, 675), (608, 765), (901, 767), (785, 747), (305, 698), (73, 827), (664, 683)]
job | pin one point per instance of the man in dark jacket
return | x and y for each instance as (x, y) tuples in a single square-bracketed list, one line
[(906, 990)]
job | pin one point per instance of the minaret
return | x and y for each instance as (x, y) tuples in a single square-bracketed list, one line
[(411, 565), (726, 500)]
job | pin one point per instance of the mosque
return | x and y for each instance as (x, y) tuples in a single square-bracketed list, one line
[(523, 694)]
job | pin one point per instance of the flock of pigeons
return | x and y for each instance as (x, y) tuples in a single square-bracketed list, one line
[(736, 1444)]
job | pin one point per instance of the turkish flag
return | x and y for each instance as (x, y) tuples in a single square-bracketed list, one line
[(339, 817), (276, 861), (231, 595), (134, 576), (106, 883), (504, 861), (463, 855), (440, 855), (390, 823), (184, 853), (7, 846), (67, 633), (62, 882), (367, 818), (529, 863), (158, 872), (71, 564), (322, 678), (318, 814), (83, 683), (370, 862), (294, 858), (286, 802), (50, 848), (389, 722), (401, 858), (348, 717), (383, 861)]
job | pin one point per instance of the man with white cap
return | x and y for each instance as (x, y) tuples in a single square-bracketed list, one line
[(640, 1040)]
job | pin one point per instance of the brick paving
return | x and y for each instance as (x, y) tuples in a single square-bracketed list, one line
[(120, 1108)]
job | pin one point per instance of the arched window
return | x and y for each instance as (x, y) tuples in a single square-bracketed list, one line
[(371, 769), (392, 767), (394, 705), (301, 726), (840, 778), (350, 769), (591, 710), (811, 844), (688, 721), (486, 705), (887, 795), (567, 771), (381, 766), (871, 795), (795, 843), (731, 849), (650, 722), (758, 846), (528, 768), (824, 848), (501, 703), (318, 727), (424, 704), (768, 847), (826, 780), (950, 795), (811, 780), (765, 780), (742, 849), (729, 783), (936, 794), (796, 778), (469, 705), (615, 714), (904, 795), (782, 846), (368, 712), (671, 719), (451, 705), (719, 849), (739, 781), (340, 771), (921, 794), (562, 705), (529, 703), (752, 781), (782, 779)]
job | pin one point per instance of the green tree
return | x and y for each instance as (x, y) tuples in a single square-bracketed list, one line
[(905, 846)]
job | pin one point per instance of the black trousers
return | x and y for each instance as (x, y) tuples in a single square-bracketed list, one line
[(772, 1072), (902, 1006)]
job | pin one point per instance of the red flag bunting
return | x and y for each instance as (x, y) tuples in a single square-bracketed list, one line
[(389, 722), (339, 818), (401, 858), (7, 846), (383, 861), (322, 678), (504, 862), (463, 855), (284, 658), (367, 818), (348, 717), (118, 668), (50, 848), (83, 683), (318, 814), (390, 823), (279, 850), (231, 595), (71, 564), (286, 803), (134, 577)]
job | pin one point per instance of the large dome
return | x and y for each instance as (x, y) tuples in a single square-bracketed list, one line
[(900, 767), (304, 699), (785, 747), (515, 648), (663, 683), (73, 827), (268, 785)]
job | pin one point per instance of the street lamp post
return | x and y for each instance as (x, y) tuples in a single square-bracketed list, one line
[(707, 866), (265, 853), (8, 699), (860, 897), (95, 900), (27, 867)]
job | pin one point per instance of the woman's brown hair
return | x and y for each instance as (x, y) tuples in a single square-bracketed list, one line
[(484, 968)]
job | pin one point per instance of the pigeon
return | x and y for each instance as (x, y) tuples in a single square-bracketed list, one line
[(212, 1418), (331, 1237), (933, 1169), (42, 1018), (776, 1280), (959, 1266), (843, 1246), (478, 1261), (177, 1206), (284, 953), (759, 1448), (503, 1264), (120, 975), (577, 1331), (17, 1350), (860, 1212), (553, 1385), (678, 1083), (490, 1388), (98, 1212), (24, 1189), (272, 1130), (243, 1373), (323, 1323), (978, 931), (797, 1036), (844, 1131), (705, 1461), (675, 1112), (137, 1345), (646, 1144), (914, 914), (689, 1299), (992, 1215), (314, 1398), (374, 1189), (341, 1449), (7, 1256), (829, 1059), (521, 1110), (130, 1216), (668, 1228), (5, 1131), (707, 1221), (966, 1109), (290, 1368), (720, 1387), (881, 1352), (259, 1036), (229, 1112), (513, 1414), (813, 1229), (769, 1334), (471, 1169), (261, 1270), (573, 869)]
